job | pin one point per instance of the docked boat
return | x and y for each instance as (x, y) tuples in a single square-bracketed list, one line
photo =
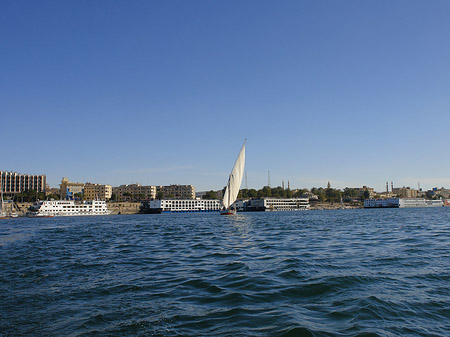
[(67, 208), (180, 206), (402, 203), (3, 213), (273, 204), (234, 184)]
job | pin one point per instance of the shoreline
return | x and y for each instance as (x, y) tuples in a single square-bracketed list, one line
[(133, 207)]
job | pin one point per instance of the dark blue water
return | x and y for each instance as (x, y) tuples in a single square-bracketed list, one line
[(383, 272)]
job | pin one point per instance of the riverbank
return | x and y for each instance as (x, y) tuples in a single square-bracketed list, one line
[(124, 207), (133, 207), (330, 205), (114, 207)]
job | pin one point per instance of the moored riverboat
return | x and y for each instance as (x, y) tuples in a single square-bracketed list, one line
[(402, 203), (180, 206), (67, 208)]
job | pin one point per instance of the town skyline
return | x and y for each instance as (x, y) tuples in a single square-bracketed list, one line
[(355, 93), (285, 184)]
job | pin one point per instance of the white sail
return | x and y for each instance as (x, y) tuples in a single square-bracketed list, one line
[(235, 180)]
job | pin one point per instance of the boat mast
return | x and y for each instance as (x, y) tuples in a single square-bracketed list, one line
[(229, 191)]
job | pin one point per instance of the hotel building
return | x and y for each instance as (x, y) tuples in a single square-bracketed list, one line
[(97, 192), (405, 192), (68, 189), (13, 183), (175, 192), (134, 192)]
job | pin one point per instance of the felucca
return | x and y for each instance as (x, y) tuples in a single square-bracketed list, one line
[(234, 184)]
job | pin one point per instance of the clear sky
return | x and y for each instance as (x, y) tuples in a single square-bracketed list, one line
[(165, 92)]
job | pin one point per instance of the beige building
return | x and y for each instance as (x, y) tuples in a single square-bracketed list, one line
[(68, 189), (12, 182), (405, 192), (443, 192), (97, 192), (175, 192), (363, 189), (52, 191), (134, 192)]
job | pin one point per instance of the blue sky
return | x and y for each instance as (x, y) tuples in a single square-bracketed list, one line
[(165, 92)]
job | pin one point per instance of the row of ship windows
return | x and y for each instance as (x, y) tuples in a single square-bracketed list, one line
[(183, 207), (87, 206), (191, 203)]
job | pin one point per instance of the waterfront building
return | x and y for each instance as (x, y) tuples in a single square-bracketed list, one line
[(440, 192), (362, 190), (176, 192), (13, 183), (68, 189), (52, 190), (308, 195), (134, 192), (97, 191), (404, 192), (137, 192), (383, 195)]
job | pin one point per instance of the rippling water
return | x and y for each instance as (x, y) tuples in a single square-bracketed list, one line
[(383, 272)]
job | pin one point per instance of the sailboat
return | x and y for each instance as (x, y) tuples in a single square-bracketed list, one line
[(234, 183)]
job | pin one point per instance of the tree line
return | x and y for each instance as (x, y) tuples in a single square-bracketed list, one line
[(323, 194)]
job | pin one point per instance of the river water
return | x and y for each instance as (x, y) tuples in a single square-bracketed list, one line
[(378, 272)]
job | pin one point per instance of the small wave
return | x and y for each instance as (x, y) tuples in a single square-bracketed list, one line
[(297, 332)]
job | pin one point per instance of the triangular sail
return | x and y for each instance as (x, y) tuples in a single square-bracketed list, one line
[(235, 180)]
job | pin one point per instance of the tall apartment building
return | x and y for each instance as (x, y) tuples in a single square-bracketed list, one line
[(68, 189), (13, 182), (134, 192), (176, 192), (97, 192)]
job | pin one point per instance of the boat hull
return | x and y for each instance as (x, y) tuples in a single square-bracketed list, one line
[(228, 212), (68, 208)]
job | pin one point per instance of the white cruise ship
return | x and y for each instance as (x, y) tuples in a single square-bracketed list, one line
[(402, 203), (67, 208), (275, 204), (180, 206)]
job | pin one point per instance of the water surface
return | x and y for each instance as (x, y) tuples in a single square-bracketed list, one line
[(383, 272)]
